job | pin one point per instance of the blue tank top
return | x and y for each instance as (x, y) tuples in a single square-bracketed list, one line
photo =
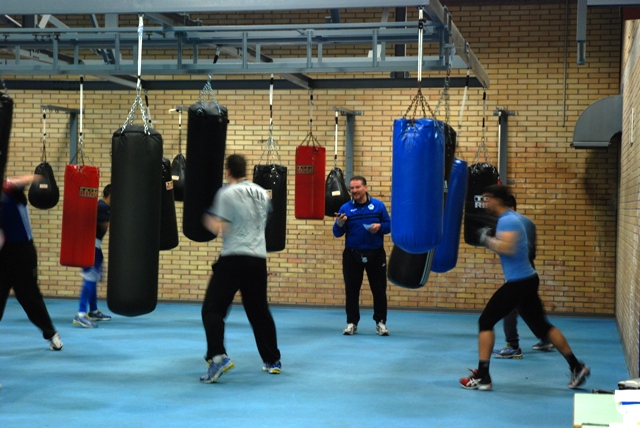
[(516, 266)]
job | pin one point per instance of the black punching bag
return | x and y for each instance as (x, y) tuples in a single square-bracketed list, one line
[(6, 115), (44, 192), (409, 270), (273, 178), (206, 139), (177, 173), (449, 150), (168, 223), (336, 192), (134, 230), (481, 175)]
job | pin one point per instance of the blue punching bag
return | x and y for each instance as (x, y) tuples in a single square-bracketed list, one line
[(446, 254), (417, 188), (134, 229)]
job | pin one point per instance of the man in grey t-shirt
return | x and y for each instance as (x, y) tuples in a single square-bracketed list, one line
[(239, 216)]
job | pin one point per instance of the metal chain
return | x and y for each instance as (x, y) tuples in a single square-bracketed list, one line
[(4, 86), (138, 100), (483, 146), (207, 90), (271, 148)]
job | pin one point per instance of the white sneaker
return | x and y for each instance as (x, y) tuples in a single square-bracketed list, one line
[(55, 344), (350, 330), (382, 329)]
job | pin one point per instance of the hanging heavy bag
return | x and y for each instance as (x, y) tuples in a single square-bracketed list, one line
[(206, 140), (6, 116), (481, 175), (309, 191), (168, 224), (273, 178), (177, 174), (409, 270), (134, 230), (449, 150), (417, 188), (336, 192), (43, 192), (79, 215), (446, 253)]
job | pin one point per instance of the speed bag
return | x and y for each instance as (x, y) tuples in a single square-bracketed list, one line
[(309, 189), (273, 178), (481, 175), (409, 270), (79, 215), (6, 116), (449, 150), (177, 174), (446, 253), (336, 193), (168, 223), (134, 230), (417, 187), (43, 192), (204, 168)]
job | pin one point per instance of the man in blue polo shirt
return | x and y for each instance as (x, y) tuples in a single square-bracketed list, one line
[(364, 220)]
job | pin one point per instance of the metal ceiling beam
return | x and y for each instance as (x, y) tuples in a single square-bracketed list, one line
[(238, 84), (316, 40), (25, 7)]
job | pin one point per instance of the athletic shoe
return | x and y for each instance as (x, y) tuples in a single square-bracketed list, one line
[(217, 366), (55, 344), (508, 352), (579, 376), (97, 315), (274, 368), (350, 330), (476, 382), (84, 321), (382, 329), (543, 345)]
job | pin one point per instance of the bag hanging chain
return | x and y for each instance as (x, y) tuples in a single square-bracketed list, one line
[(483, 147), (43, 158), (138, 101), (4, 86), (335, 144), (271, 147), (208, 90), (464, 101), (310, 138), (419, 99), (180, 131)]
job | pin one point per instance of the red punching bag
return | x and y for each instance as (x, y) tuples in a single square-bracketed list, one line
[(79, 215), (310, 180)]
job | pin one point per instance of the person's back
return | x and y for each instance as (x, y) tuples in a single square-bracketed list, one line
[(245, 206)]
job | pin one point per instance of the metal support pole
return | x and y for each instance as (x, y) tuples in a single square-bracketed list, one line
[(581, 32), (503, 137), (349, 133), (73, 137)]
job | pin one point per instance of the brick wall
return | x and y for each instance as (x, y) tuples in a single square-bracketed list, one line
[(570, 194), (628, 247)]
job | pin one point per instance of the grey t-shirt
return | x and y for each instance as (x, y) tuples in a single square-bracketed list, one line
[(245, 205)]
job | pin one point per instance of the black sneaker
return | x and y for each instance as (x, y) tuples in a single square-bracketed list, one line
[(476, 382)]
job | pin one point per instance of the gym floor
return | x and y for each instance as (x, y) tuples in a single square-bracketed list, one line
[(144, 371)]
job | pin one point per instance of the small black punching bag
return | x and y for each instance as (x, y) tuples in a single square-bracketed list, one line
[(273, 178)]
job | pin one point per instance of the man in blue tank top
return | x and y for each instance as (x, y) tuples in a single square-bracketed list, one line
[(19, 260), (365, 221), (519, 291), (510, 322)]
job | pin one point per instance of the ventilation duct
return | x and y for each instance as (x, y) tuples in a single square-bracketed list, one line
[(598, 124)]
